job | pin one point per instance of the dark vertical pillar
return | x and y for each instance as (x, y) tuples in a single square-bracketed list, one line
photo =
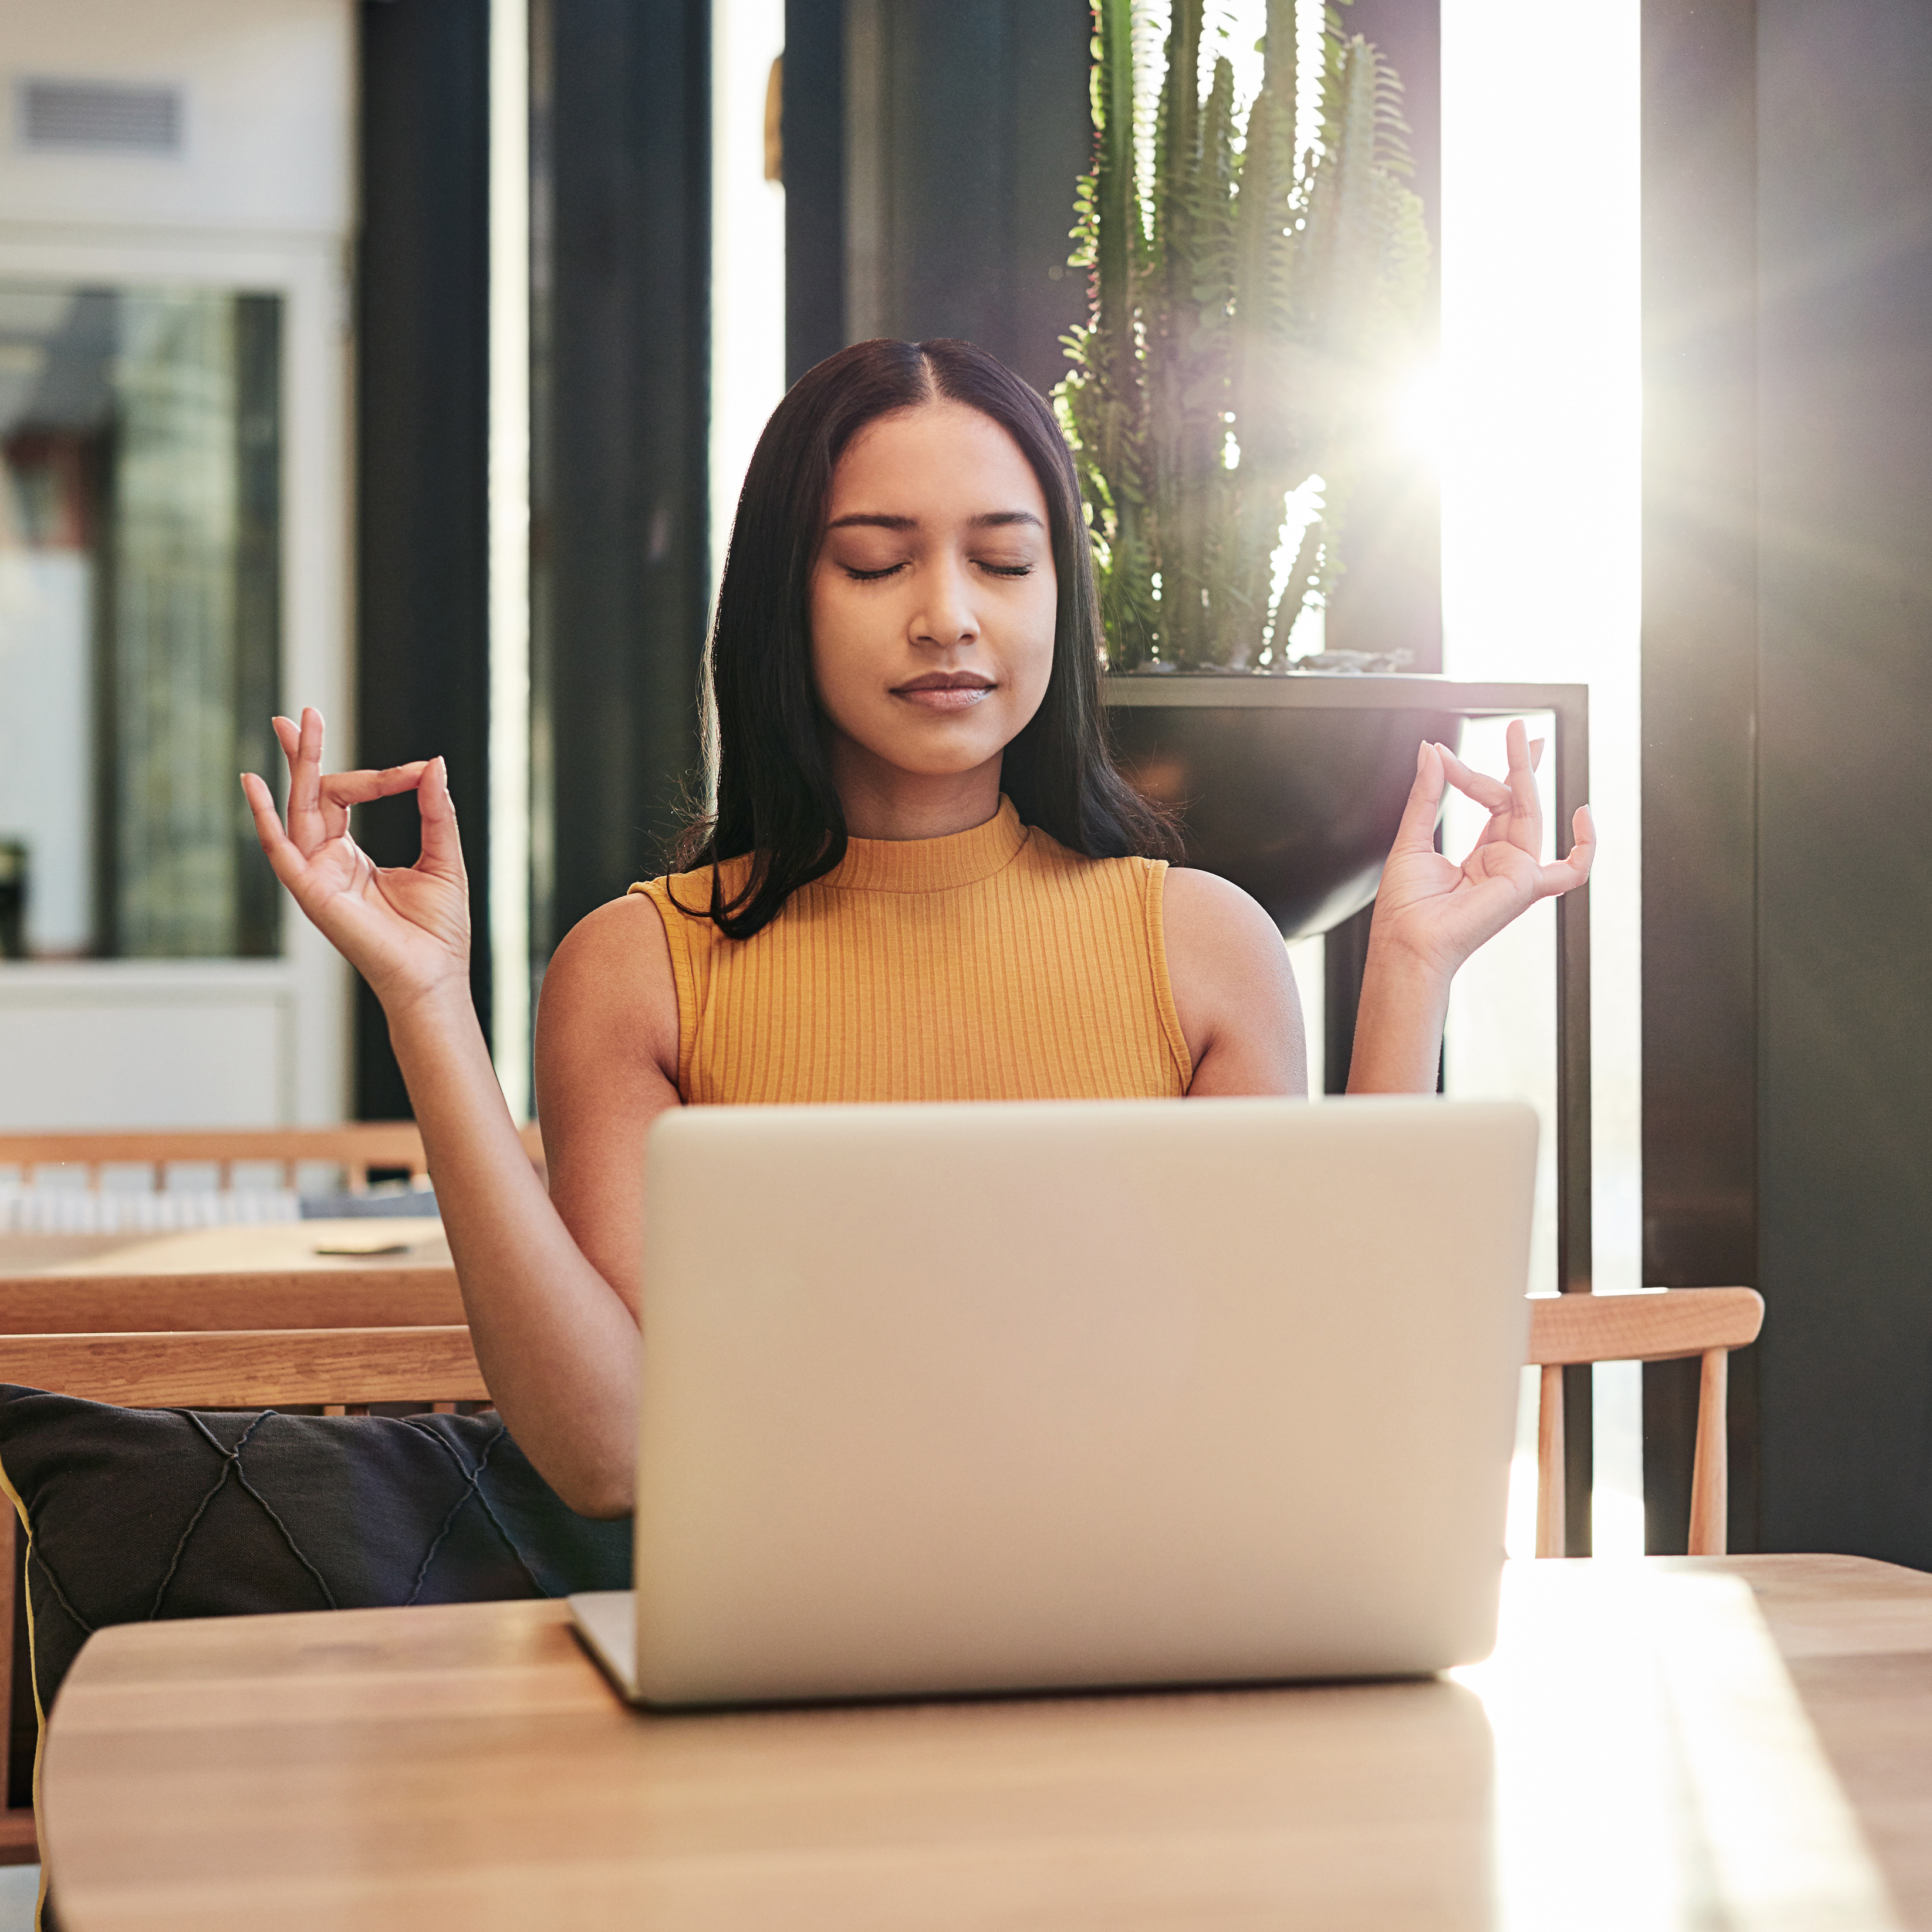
[(258, 594), (422, 433), (621, 225), (1051, 142), (1699, 717), (931, 154), (1844, 345), (813, 137)]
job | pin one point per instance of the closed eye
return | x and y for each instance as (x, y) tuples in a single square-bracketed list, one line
[(859, 576)]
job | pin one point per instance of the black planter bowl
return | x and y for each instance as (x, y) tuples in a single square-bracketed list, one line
[(1290, 786)]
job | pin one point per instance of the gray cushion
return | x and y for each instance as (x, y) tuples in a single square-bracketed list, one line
[(135, 1514)]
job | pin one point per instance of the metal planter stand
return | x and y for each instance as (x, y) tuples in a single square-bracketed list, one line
[(1130, 698)]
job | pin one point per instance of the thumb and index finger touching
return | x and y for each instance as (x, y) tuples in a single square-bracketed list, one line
[(1514, 805), (319, 803)]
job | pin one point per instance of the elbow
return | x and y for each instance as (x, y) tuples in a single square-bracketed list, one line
[(607, 1504), (603, 1495)]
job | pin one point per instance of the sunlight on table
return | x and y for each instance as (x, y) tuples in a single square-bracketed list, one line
[(1726, 1810)]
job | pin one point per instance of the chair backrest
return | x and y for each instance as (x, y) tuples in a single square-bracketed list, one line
[(349, 1297), (1567, 1330), (356, 1147), (249, 1369)]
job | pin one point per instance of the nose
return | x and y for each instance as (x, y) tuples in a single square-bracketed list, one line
[(946, 618)]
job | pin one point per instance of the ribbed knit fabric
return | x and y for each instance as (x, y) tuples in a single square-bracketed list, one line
[(993, 964)]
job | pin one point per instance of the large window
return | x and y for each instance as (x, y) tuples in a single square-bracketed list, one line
[(140, 621)]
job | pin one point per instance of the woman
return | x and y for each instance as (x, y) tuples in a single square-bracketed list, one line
[(908, 622)]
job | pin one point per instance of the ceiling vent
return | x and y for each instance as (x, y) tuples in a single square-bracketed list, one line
[(100, 117)]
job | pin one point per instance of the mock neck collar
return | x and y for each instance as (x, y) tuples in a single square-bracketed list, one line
[(931, 865)]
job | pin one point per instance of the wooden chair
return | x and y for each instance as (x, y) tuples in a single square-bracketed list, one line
[(284, 1368), (1568, 1330), (355, 1146)]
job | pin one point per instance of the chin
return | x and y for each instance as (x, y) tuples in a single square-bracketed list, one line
[(942, 749), (921, 762)]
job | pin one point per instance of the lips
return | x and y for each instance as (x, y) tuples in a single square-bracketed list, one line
[(945, 690)]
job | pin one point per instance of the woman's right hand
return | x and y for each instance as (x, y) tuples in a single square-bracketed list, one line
[(405, 928)]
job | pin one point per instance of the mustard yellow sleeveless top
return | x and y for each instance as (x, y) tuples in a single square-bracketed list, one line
[(993, 965)]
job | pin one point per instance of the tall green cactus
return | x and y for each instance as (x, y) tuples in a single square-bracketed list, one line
[(1242, 328)]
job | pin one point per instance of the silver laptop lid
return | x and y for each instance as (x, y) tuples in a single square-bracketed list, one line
[(985, 1397)]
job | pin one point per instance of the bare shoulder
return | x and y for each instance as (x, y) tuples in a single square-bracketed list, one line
[(610, 987), (1234, 990), (1202, 909)]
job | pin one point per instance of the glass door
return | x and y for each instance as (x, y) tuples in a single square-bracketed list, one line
[(140, 617)]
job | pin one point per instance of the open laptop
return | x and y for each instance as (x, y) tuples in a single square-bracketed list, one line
[(990, 1397)]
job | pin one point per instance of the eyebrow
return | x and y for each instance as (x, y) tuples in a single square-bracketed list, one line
[(987, 519)]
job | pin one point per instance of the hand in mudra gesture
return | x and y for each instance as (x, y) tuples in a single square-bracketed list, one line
[(405, 928), (1441, 911)]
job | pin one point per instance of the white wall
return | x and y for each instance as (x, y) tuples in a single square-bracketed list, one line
[(267, 86)]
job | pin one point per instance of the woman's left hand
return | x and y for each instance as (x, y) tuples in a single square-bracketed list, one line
[(1439, 912)]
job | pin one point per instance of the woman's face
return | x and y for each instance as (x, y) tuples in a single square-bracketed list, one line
[(934, 596)]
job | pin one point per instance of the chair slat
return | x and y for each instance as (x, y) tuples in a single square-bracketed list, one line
[(260, 1368), (353, 1146), (1710, 1470), (379, 1143), (1566, 1329), (349, 1297), (1552, 1523)]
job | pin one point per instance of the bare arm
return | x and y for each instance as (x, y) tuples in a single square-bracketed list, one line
[(1432, 913), (1234, 989), (550, 1285)]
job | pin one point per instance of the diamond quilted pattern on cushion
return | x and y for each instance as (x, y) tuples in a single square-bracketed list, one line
[(141, 1514)]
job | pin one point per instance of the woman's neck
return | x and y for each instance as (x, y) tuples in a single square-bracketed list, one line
[(882, 802)]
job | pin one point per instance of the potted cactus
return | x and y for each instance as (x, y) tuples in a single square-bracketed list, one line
[(1257, 285)]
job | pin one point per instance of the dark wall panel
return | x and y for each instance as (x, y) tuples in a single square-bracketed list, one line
[(973, 234), (621, 581), (931, 150), (422, 432), (814, 137), (1699, 718), (1845, 356)]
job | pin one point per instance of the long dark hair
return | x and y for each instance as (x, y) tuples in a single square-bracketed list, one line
[(776, 799)]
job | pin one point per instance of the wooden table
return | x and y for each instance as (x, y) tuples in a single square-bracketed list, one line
[(241, 1249), (1633, 1758), (373, 1273)]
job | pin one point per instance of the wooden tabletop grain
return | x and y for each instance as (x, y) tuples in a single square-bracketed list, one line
[(467, 1767), (297, 1274), (415, 1240)]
